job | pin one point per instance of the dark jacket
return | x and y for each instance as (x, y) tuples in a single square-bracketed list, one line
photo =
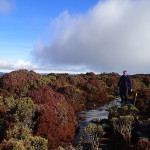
[(125, 81)]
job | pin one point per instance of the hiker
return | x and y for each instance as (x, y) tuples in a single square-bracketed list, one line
[(124, 85)]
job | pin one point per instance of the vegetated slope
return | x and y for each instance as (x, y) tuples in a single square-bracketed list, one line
[(58, 96)]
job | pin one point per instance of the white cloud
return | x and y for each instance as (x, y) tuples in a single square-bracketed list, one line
[(114, 35), (6, 5), (20, 64)]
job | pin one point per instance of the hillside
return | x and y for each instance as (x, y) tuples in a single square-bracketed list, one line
[(44, 107)]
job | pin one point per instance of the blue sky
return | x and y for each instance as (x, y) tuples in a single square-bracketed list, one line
[(28, 20), (75, 36)]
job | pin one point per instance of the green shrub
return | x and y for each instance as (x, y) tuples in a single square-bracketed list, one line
[(60, 148), (21, 110), (90, 88), (21, 136), (94, 134), (18, 146), (123, 125), (74, 80), (78, 91)]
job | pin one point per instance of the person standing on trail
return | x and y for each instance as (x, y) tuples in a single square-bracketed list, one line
[(124, 85)]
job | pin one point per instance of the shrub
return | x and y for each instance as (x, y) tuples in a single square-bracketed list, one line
[(21, 110), (94, 134), (123, 126), (18, 134), (74, 97), (142, 144), (56, 120), (20, 138), (15, 81), (90, 88)]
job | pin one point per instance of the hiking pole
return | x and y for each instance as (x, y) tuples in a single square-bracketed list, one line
[(135, 99)]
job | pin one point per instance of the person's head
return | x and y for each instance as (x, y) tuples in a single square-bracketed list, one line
[(125, 72)]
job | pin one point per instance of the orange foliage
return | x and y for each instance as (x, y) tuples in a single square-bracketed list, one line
[(56, 120)]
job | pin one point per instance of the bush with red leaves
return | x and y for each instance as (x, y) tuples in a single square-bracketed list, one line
[(56, 120), (146, 80), (142, 145), (6, 146), (100, 93), (77, 80), (143, 101), (13, 83), (74, 96)]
